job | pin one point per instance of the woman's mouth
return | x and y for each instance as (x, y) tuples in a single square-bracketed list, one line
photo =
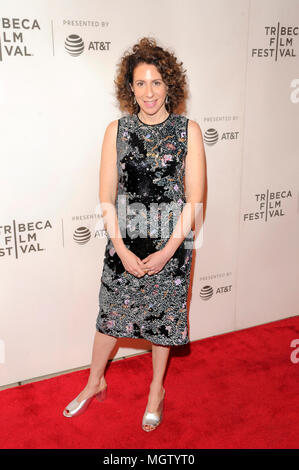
[(150, 104)]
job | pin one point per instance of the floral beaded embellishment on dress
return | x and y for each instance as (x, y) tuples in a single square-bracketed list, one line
[(151, 166)]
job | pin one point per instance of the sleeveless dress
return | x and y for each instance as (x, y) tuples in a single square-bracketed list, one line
[(150, 198)]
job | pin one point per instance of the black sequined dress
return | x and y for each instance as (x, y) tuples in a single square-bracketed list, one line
[(150, 198)]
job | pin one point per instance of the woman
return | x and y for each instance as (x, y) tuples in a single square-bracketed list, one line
[(145, 278)]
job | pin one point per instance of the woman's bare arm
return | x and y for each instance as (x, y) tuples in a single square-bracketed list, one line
[(108, 186)]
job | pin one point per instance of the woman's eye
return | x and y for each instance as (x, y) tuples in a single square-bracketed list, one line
[(141, 83)]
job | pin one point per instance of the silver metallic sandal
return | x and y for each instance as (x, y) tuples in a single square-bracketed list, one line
[(75, 408), (153, 419)]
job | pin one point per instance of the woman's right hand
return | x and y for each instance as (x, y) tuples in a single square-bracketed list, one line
[(132, 263)]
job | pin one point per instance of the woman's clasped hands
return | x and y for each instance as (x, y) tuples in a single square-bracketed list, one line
[(152, 264)]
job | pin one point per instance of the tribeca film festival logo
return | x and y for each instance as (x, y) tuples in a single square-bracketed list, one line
[(13, 37), (280, 42), (269, 205), (21, 238), (158, 221)]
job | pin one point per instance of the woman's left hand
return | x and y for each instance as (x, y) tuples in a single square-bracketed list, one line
[(156, 261)]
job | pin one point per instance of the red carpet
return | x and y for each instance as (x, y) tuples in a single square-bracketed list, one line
[(237, 390)]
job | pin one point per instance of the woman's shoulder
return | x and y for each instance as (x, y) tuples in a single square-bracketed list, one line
[(112, 126), (194, 127)]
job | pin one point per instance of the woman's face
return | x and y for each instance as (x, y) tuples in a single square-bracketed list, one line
[(149, 89)]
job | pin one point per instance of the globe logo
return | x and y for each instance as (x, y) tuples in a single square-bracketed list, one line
[(74, 45), (206, 292), (211, 136), (82, 235)]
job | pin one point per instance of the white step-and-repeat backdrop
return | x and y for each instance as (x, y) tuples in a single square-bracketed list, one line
[(56, 100)]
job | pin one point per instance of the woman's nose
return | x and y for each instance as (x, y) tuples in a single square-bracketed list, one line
[(149, 90)]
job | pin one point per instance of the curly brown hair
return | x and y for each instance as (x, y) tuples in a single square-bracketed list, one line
[(173, 75)]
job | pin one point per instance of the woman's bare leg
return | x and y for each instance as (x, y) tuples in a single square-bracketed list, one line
[(102, 347), (159, 359)]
